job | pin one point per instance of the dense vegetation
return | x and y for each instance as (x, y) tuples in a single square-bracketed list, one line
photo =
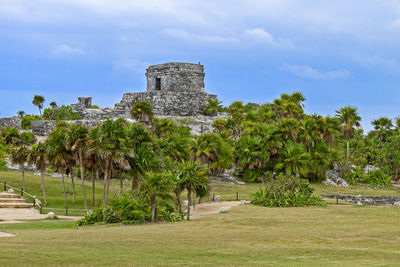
[(274, 143)]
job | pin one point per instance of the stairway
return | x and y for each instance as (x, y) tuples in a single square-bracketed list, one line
[(11, 200)]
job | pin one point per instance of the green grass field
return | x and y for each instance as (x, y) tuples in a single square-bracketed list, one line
[(245, 236)]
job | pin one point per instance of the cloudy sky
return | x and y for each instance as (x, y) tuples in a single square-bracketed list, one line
[(335, 52)]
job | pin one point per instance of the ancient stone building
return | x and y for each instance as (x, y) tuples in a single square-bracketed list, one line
[(174, 89)]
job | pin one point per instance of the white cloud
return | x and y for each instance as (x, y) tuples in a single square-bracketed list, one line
[(261, 35), (188, 36), (131, 65), (65, 49), (308, 72)]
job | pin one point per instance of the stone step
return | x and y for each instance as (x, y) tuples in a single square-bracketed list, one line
[(8, 195), (12, 200), (16, 205)]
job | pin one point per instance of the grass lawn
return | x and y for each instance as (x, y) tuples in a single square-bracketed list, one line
[(54, 191), (246, 235)]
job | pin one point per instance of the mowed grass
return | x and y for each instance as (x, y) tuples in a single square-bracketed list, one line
[(54, 190), (245, 236)]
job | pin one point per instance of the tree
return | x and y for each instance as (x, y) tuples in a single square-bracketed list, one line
[(53, 104), (212, 107), (142, 111), (349, 119), (38, 101), (38, 157), (156, 185), (76, 141), (21, 113), (58, 154), (193, 176), (294, 159), (20, 156)]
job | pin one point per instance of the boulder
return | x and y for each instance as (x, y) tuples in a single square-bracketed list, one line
[(369, 168), (333, 178)]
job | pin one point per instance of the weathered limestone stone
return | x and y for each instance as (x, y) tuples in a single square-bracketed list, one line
[(11, 122), (366, 200), (333, 178)]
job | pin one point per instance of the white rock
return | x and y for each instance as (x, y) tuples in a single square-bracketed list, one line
[(396, 203), (243, 202), (185, 203), (216, 198), (223, 210), (10, 190), (51, 215), (359, 203)]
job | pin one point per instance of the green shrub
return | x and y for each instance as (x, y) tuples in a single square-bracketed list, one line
[(285, 191), (377, 178), (127, 209), (27, 119), (60, 113), (355, 176)]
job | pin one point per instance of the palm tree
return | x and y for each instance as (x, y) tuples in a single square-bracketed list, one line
[(76, 141), (349, 119), (21, 113), (53, 104), (142, 111), (193, 176), (58, 154), (155, 186), (294, 159), (383, 125), (19, 156), (111, 144), (38, 101), (212, 107), (38, 157)]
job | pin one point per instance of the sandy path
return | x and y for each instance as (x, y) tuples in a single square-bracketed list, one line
[(211, 208), (11, 215)]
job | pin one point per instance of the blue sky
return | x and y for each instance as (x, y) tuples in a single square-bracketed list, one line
[(334, 52)]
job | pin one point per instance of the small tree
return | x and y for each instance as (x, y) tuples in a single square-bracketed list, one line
[(193, 176), (38, 101), (38, 157), (53, 104), (19, 156), (212, 107), (21, 113), (155, 186), (142, 111)]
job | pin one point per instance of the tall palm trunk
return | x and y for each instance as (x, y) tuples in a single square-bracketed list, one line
[(93, 186), (42, 185), (65, 193), (177, 192), (348, 151), (189, 197), (73, 186), (105, 181), (108, 183), (153, 204), (22, 167), (82, 178)]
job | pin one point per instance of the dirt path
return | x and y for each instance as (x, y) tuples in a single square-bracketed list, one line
[(13, 215), (211, 208)]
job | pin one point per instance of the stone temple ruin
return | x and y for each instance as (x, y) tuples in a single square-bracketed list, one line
[(174, 89)]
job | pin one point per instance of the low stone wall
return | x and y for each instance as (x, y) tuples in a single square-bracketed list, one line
[(11, 122), (366, 200)]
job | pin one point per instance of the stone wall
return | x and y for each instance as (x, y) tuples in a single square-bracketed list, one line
[(366, 200), (11, 122), (175, 76)]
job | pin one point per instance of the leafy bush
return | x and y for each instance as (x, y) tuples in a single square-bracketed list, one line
[(27, 119), (127, 209), (212, 107), (377, 178), (355, 176), (60, 113), (286, 191)]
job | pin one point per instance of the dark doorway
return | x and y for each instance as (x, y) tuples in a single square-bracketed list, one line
[(158, 84)]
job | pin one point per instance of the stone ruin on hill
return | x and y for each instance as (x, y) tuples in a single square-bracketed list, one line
[(174, 89)]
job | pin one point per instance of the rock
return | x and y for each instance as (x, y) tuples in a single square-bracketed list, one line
[(369, 168), (51, 215), (396, 204), (359, 203), (223, 210), (226, 177), (10, 190), (243, 202), (185, 203), (216, 198), (333, 178)]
